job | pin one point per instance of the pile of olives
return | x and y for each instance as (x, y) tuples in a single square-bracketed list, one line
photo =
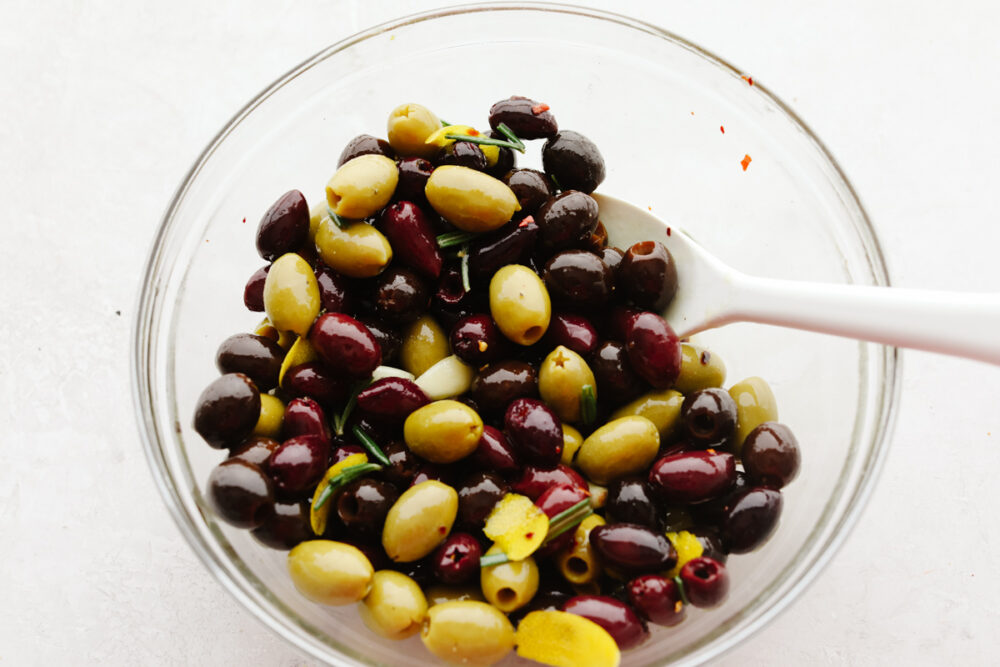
[(444, 331)]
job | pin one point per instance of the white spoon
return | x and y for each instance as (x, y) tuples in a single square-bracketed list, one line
[(711, 294)]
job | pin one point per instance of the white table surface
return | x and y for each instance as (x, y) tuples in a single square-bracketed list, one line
[(104, 105)]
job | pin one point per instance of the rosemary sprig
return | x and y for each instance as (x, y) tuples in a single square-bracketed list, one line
[(487, 141), (680, 589), (371, 446), (344, 477), (489, 560), (455, 238), (445, 123), (588, 404), (340, 421), (337, 220), (464, 254), (509, 133)]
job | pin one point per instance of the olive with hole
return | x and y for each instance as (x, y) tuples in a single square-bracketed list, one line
[(443, 431), (227, 410), (395, 607), (693, 477), (535, 431), (700, 369), (648, 275), (469, 199), (566, 220), (257, 357), (291, 294), (412, 237), (286, 525), (531, 187), (653, 349), (362, 186), (401, 296), (508, 245), (240, 493), (519, 304), (706, 582), (709, 417), (356, 250), (330, 573), (408, 128), (253, 292), (419, 521), (365, 144), (476, 340), (771, 455), (494, 387), (525, 117), (562, 377), (345, 344), (579, 279), (617, 618), (573, 161), (755, 404), (579, 563), (509, 586), (424, 344), (363, 504), (622, 447), (468, 632), (456, 561), (284, 227)]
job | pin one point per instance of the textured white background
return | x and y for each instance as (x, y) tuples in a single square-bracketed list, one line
[(104, 105)]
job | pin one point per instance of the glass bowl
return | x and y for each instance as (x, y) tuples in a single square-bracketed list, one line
[(655, 105)]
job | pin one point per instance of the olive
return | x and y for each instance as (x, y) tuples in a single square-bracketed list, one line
[(711, 513), (572, 441), (443, 431), (431, 472), (648, 275), (632, 548), (660, 406), (706, 581), (269, 421), (519, 304), (253, 293), (462, 154), (291, 294), (469, 199), (511, 585), (525, 117), (709, 417), (403, 464), (506, 158), (618, 322), (304, 416), (331, 573), (534, 430), (365, 144), (315, 381), (612, 257), (401, 296), (693, 477), (392, 397), (456, 561), (439, 594), (419, 521), (286, 525), (579, 279), (554, 500), (341, 452), (630, 501), (653, 349), (573, 161), (535, 480), (562, 378), (478, 495), (227, 410), (572, 331), (750, 519), (356, 250), (616, 617), (379, 430), (240, 493), (298, 465), (451, 301), (424, 344), (284, 227), (755, 404), (700, 369), (622, 447), (388, 337), (494, 452), (413, 175), (467, 631), (334, 295), (411, 235), (409, 127), (508, 245), (657, 598), (566, 220), (771, 455), (363, 504), (476, 340), (494, 387), (256, 357), (531, 187), (345, 344), (395, 607), (616, 381), (362, 186), (256, 450), (579, 564)]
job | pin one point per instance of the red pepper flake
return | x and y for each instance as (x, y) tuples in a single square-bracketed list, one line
[(748, 79), (650, 208), (473, 132), (528, 536), (443, 530), (722, 128), (244, 221), (710, 450), (668, 231), (745, 162), (692, 113), (528, 219), (540, 108)]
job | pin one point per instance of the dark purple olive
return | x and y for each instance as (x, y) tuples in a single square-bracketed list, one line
[(573, 162), (388, 337), (616, 381), (709, 417), (711, 543), (712, 512), (392, 397), (462, 154), (506, 158), (648, 275), (287, 524), (494, 387), (630, 501), (452, 301), (413, 175), (363, 504), (253, 293), (431, 471), (345, 344), (478, 495), (526, 118), (365, 144), (693, 477), (531, 187), (494, 452), (240, 493), (456, 561), (566, 220), (304, 416), (403, 464), (706, 582), (411, 235), (536, 480), (657, 598), (633, 549), (421, 571), (298, 464), (556, 499), (612, 257), (377, 428), (401, 296), (334, 295), (284, 227), (227, 410), (750, 519), (616, 617), (771, 455), (507, 245), (476, 340), (341, 452), (315, 381), (256, 357), (256, 450), (618, 322), (579, 279), (573, 331), (535, 431), (544, 600), (653, 350)]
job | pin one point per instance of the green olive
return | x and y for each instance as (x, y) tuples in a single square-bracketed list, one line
[(395, 607), (561, 379), (330, 572), (579, 563), (362, 186), (440, 594), (291, 294), (468, 632), (700, 369), (660, 406), (755, 405), (519, 304), (621, 447), (409, 127), (443, 431), (469, 199), (419, 521), (272, 413), (357, 250), (572, 440), (424, 344), (510, 585)]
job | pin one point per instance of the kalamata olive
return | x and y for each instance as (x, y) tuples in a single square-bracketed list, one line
[(413, 175), (345, 344), (535, 480), (476, 340), (392, 397), (304, 416), (477, 495), (612, 257), (657, 598), (616, 381), (437, 473), (452, 301), (525, 117), (648, 275), (463, 154), (506, 158), (572, 331), (255, 450), (456, 561), (227, 410), (713, 512), (314, 380), (256, 357), (494, 452), (507, 245), (403, 464), (709, 417), (376, 428), (566, 220), (534, 430), (284, 227), (750, 519), (630, 501), (692, 477), (620, 620), (619, 321), (240, 493), (554, 500), (363, 504), (573, 161), (401, 296), (531, 187), (388, 337), (632, 548), (706, 581), (653, 349), (334, 294), (365, 144), (495, 386), (286, 525), (411, 234), (341, 452), (298, 464), (771, 455), (579, 279), (253, 293)]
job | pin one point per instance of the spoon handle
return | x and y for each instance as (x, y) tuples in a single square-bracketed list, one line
[(954, 323)]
